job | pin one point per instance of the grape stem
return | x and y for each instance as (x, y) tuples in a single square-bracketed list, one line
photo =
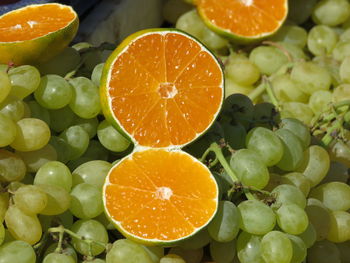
[(257, 92), (266, 82), (60, 239)]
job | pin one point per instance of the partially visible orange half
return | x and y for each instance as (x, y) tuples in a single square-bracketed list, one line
[(159, 197), (243, 21), (36, 33), (162, 88)]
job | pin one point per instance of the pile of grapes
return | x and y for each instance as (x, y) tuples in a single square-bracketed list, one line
[(279, 150)]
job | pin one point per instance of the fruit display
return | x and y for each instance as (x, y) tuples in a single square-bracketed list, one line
[(222, 137)]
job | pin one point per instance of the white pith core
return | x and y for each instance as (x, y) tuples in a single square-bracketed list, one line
[(164, 193), (167, 90), (247, 2)]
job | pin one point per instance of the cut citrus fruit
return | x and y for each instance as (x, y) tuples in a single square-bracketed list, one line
[(162, 88), (243, 20), (36, 33), (159, 196)]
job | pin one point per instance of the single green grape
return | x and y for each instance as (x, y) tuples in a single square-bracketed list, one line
[(320, 100), (291, 34), (89, 125), (298, 180), (58, 258), (5, 86), (223, 252), (341, 93), (299, 249), (12, 167), (276, 247), (58, 200), (292, 219), (289, 194), (249, 248), (231, 87), (319, 217), (24, 80), (339, 227), (17, 251), (297, 110), (12, 107), (8, 130), (299, 129), (309, 235), (241, 70), (341, 50), (331, 12), (124, 250), (323, 252), (30, 199), (111, 138), (321, 40), (77, 140), (97, 73)]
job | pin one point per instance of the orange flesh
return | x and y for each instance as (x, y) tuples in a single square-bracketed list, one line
[(165, 89), (157, 194), (34, 21), (249, 18)]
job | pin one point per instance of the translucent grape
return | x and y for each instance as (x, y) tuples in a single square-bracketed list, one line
[(97, 73), (299, 249), (39, 112), (93, 172), (297, 110), (256, 217), (331, 65), (57, 258), (319, 100), (198, 240), (339, 227), (61, 119), (86, 201), (291, 34), (172, 258), (12, 167), (124, 250), (223, 252), (111, 138), (66, 250), (299, 129), (30, 199), (8, 130), (13, 108), (344, 71), (91, 229), (289, 194), (337, 172), (54, 92), (61, 147), (334, 195), (189, 255), (319, 217), (5, 85), (22, 226), (4, 203), (89, 125), (58, 200), (248, 248), (323, 252), (321, 40), (295, 52), (17, 251), (331, 12), (35, 159), (292, 219), (86, 99), (341, 50), (342, 92), (308, 236), (32, 134), (225, 225), (24, 80), (276, 247), (241, 70), (231, 87), (77, 140), (54, 173), (298, 180)]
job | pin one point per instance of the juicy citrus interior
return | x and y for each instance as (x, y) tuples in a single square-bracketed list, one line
[(247, 18), (34, 21), (160, 195), (164, 88)]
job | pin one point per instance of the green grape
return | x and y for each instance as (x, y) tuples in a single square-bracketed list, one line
[(17, 251), (231, 87), (35, 159), (319, 100), (287, 89), (30, 199), (93, 172), (315, 164), (189, 255), (341, 50), (77, 140), (342, 92), (102, 218), (97, 74), (268, 59), (4, 203), (331, 65), (241, 70), (39, 112), (2, 233), (225, 225), (319, 217), (61, 147), (299, 249), (12, 167), (265, 143), (331, 12), (32, 134), (298, 180), (344, 250), (61, 119), (171, 258), (27, 113), (292, 150), (12, 107), (58, 200), (340, 152), (8, 130), (292, 219), (86, 201), (338, 172), (300, 10), (276, 247), (65, 62), (22, 226), (222, 252), (291, 34), (96, 151), (250, 168), (24, 80), (344, 71), (299, 129), (54, 92), (111, 138), (67, 250), (235, 135), (256, 217), (5, 86), (89, 125), (54, 173), (339, 227), (323, 252), (295, 52), (289, 194), (248, 248), (297, 110), (58, 258), (334, 195), (345, 36), (86, 99), (321, 40), (309, 235), (200, 239), (311, 76), (95, 260)]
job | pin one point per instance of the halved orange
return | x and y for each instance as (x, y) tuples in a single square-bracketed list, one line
[(162, 88), (159, 196), (36, 33), (243, 20)]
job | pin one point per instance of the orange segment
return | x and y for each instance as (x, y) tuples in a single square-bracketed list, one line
[(163, 88), (243, 19), (160, 195)]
